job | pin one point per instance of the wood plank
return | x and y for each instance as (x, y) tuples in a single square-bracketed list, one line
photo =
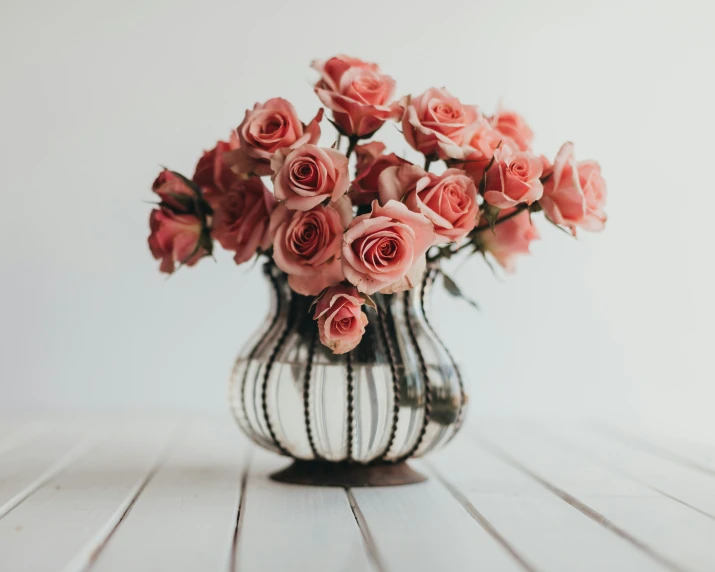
[(291, 527), (422, 528), (188, 509), (674, 535), (547, 532), (68, 517)]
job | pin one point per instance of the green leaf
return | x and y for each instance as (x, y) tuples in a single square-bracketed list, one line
[(491, 213), (452, 287), (368, 301)]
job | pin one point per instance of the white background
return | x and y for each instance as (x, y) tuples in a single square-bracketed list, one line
[(96, 95)]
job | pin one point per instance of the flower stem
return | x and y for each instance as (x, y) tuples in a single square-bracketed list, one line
[(519, 209), (353, 139), (428, 162)]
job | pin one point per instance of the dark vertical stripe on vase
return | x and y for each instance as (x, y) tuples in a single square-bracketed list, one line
[(351, 404), (395, 382), (306, 395)]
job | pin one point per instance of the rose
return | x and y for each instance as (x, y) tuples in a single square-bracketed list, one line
[(357, 94), (513, 178), (434, 123), (509, 238), (341, 322), (365, 154), (512, 126), (306, 245), (308, 175), (575, 193), (481, 140), (213, 173), (385, 249), (241, 218), (370, 163), (449, 200), (177, 238), (266, 128), (175, 192)]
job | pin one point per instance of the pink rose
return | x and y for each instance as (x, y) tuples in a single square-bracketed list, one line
[(385, 249), (481, 140), (575, 193), (241, 218), (306, 245), (177, 238), (341, 321), (213, 174), (449, 200), (509, 238), (370, 164), (357, 94), (308, 175), (513, 126), (268, 127), (434, 123), (365, 154), (514, 178), (175, 192)]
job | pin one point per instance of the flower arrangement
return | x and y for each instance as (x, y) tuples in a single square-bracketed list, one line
[(341, 239)]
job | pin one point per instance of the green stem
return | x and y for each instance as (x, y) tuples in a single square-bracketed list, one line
[(351, 146), (520, 209)]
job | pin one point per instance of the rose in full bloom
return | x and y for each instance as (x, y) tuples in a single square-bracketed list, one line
[(509, 238), (306, 245), (385, 249), (213, 173), (435, 123), (449, 200), (575, 193), (241, 218), (176, 238), (175, 192), (512, 126), (370, 164), (341, 321), (359, 96), (268, 127), (308, 175), (514, 178), (481, 140)]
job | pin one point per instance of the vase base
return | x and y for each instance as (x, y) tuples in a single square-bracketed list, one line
[(325, 474)]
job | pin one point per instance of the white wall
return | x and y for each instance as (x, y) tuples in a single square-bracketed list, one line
[(96, 94)]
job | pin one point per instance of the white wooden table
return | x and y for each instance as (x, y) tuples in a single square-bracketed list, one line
[(193, 495)]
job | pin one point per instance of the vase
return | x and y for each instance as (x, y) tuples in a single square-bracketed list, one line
[(350, 419)]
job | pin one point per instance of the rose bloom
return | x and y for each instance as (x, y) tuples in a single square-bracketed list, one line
[(575, 193), (308, 175), (434, 123), (213, 173), (385, 249), (449, 200), (306, 245), (370, 164), (175, 192), (513, 178), (341, 321), (241, 218), (509, 239), (481, 140), (357, 94), (513, 126), (175, 238), (266, 128)]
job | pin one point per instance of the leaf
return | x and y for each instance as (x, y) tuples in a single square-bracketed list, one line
[(368, 301), (561, 228), (491, 213), (452, 287), (337, 127)]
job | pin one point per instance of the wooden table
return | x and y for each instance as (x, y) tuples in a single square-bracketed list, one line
[(135, 495)]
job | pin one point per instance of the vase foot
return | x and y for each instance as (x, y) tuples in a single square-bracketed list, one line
[(325, 474)]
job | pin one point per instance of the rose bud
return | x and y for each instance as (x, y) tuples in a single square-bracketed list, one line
[(357, 94), (513, 178), (341, 321), (177, 238), (241, 218), (213, 174), (575, 193), (509, 238), (306, 245), (268, 127), (512, 126), (435, 122), (309, 175), (175, 192), (370, 164), (385, 249)]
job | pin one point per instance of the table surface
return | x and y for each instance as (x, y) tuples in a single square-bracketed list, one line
[(174, 494)]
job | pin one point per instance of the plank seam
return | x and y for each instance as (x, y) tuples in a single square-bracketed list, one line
[(370, 546), (241, 510)]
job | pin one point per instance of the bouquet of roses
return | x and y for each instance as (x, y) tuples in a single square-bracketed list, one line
[(341, 239)]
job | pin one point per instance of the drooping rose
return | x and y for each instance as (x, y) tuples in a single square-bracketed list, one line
[(514, 178), (175, 192), (341, 321), (268, 127), (370, 163), (241, 218), (513, 126), (575, 193), (435, 123), (308, 175), (509, 238), (359, 96), (385, 249), (176, 238), (213, 173), (307, 245)]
